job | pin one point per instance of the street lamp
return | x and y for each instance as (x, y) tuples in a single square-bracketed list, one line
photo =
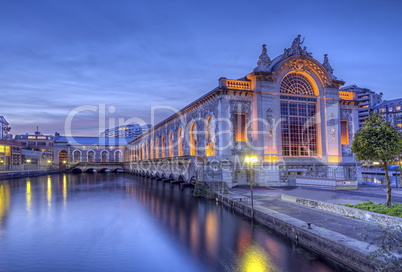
[(250, 160)]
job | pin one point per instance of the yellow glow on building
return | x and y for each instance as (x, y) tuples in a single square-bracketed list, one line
[(251, 159), (346, 95), (271, 158), (334, 159), (28, 196), (255, 259)]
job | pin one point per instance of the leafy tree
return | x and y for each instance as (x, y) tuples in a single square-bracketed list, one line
[(378, 141)]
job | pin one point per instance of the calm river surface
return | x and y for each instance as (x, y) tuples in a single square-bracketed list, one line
[(110, 222)]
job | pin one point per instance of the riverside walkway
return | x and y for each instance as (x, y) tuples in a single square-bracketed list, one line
[(342, 238)]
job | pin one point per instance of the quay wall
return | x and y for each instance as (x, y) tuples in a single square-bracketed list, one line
[(336, 246), (9, 175)]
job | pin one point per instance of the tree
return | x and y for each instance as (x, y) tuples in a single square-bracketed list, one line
[(378, 141)]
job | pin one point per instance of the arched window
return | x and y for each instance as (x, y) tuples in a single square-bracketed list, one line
[(117, 156), (63, 158), (163, 146), (171, 144), (180, 142), (209, 144), (193, 139), (151, 147), (157, 148), (104, 156), (298, 115), (147, 151), (296, 84), (77, 156), (91, 156)]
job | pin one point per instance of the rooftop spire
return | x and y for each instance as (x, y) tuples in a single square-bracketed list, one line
[(264, 61), (327, 66)]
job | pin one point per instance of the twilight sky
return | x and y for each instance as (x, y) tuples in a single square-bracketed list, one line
[(125, 56)]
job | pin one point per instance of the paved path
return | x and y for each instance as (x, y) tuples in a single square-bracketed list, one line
[(350, 227)]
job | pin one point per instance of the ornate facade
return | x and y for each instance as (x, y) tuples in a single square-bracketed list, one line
[(289, 112)]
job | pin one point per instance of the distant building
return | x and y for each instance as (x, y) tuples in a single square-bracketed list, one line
[(37, 142), (10, 151), (71, 150), (131, 130), (366, 99), (391, 110), (4, 129)]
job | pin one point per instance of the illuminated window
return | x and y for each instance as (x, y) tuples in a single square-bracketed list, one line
[(296, 84), (180, 142), (398, 108), (399, 125), (151, 147), (171, 144), (163, 149), (391, 109), (147, 151), (157, 148), (382, 110), (240, 127), (209, 148), (193, 140), (298, 127), (344, 132)]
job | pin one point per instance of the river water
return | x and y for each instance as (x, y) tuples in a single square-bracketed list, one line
[(120, 222)]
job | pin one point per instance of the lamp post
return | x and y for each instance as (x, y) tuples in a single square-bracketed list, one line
[(250, 160)]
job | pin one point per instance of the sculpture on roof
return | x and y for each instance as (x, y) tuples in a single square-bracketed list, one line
[(296, 48), (326, 65), (264, 61)]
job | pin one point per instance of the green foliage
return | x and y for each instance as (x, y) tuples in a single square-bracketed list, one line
[(377, 140), (202, 190), (395, 209)]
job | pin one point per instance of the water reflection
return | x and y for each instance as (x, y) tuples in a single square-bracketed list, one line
[(4, 203), (213, 235), (28, 195), (125, 223)]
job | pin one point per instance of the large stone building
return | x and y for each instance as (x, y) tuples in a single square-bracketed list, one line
[(10, 151), (288, 112), (391, 110), (366, 99)]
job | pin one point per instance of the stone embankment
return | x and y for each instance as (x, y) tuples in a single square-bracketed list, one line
[(23, 174), (382, 219), (331, 241)]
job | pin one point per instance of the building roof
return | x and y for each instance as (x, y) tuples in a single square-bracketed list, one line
[(390, 103), (3, 120), (99, 141)]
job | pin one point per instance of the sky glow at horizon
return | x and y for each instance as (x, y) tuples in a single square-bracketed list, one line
[(58, 55)]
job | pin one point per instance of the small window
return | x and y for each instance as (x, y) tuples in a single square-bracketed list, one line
[(240, 127), (344, 132)]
